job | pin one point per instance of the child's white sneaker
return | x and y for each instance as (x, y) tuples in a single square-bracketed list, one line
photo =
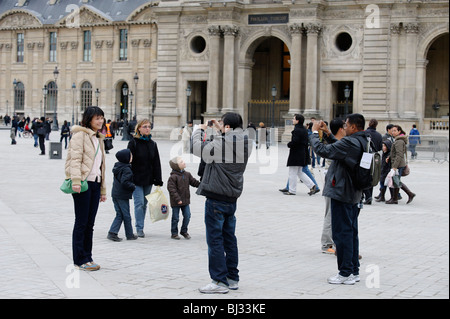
[(214, 288)]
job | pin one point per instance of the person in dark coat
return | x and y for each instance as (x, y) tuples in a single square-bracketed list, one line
[(146, 167), (41, 132), (377, 139), (385, 168), (180, 197), (345, 197), (121, 194), (298, 157)]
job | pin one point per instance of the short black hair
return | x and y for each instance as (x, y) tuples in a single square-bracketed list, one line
[(89, 113), (234, 120), (300, 118), (389, 126), (358, 120), (336, 124)]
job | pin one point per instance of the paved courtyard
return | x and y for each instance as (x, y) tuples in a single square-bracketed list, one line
[(405, 248)]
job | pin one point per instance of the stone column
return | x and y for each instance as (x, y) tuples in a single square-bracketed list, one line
[(409, 97), (229, 33), (420, 87), (212, 106), (393, 105), (296, 31), (312, 31)]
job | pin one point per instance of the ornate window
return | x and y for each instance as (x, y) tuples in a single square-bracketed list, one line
[(52, 47), (123, 45), (87, 46), (86, 95), (20, 47)]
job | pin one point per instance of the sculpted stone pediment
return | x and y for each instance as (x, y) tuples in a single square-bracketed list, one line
[(18, 20), (83, 17)]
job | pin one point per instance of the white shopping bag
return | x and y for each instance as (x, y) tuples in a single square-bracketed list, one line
[(158, 205)]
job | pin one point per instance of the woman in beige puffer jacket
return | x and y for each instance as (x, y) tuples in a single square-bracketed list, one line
[(86, 161)]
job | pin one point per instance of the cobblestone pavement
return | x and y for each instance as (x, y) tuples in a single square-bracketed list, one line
[(405, 248)]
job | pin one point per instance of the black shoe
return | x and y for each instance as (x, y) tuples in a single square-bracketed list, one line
[(313, 190), (186, 235), (284, 190), (42, 154), (288, 193), (113, 237), (134, 237)]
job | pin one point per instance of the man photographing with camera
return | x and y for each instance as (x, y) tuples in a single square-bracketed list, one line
[(345, 197), (226, 159)]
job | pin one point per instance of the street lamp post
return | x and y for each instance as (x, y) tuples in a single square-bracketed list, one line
[(45, 92), (97, 94), (188, 94), (153, 110), (136, 80), (274, 94), (15, 97), (436, 104), (125, 136), (347, 95), (55, 113), (73, 102)]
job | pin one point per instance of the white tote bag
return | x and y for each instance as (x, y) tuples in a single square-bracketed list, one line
[(158, 205)]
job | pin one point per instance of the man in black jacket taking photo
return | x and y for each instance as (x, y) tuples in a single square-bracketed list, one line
[(345, 197)]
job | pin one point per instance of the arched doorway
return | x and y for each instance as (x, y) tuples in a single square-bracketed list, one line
[(270, 84), (437, 78), (122, 96)]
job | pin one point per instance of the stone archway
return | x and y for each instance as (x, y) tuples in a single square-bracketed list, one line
[(254, 66), (437, 77)]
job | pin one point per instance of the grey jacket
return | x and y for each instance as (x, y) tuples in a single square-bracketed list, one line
[(344, 153), (226, 160)]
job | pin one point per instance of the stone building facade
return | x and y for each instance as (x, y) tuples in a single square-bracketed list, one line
[(392, 56)]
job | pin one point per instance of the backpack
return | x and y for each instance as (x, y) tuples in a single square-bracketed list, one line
[(365, 178)]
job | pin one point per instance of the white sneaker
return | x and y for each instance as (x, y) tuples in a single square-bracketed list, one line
[(213, 288), (338, 279), (356, 277), (233, 284)]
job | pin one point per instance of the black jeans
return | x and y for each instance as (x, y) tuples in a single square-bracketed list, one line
[(86, 205), (42, 143), (344, 225)]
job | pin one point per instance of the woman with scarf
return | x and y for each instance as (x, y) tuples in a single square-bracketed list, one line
[(398, 163), (146, 167)]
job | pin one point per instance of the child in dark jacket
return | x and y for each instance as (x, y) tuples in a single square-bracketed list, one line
[(121, 194), (385, 168), (178, 187)]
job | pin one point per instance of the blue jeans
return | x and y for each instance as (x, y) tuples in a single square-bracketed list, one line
[(176, 217), (86, 205), (220, 225), (122, 207), (344, 225), (140, 205)]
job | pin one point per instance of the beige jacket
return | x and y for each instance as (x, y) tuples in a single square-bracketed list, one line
[(81, 154)]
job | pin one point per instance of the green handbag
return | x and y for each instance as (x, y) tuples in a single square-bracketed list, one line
[(66, 186)]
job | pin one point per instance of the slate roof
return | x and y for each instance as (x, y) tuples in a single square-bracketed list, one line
[(114, 10)]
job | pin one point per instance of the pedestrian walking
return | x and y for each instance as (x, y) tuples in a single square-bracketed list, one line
[(180, 196), (65, 132), (34, 131), (398, 163), (377, 142), (86, 162), (298, 156), (41, 132), (146, 167), (226, 160), (345, 198), (186, 137), (121, 193), (385, 168), (414, 139)]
